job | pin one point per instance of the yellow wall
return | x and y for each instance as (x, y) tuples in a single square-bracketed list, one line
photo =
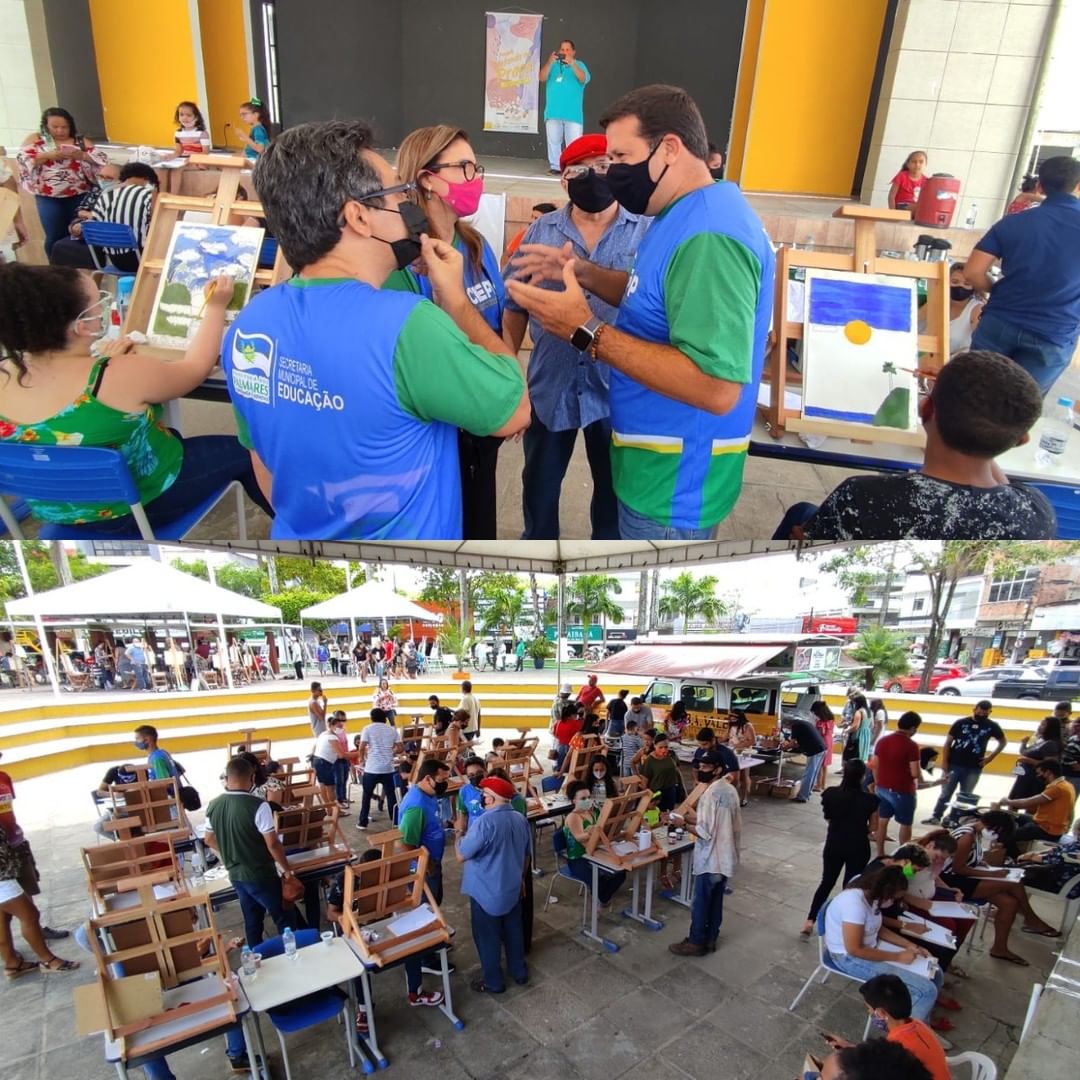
[(812, 84), (221, 27), (146, 66)]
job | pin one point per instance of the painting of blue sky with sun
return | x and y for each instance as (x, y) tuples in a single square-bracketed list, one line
[(860, 349)]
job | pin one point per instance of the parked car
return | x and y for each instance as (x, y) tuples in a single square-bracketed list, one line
[(909, 684), (1062, 683), (978, 683)]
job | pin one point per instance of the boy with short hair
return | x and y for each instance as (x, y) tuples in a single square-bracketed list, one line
[(631, 746), (981, 405)]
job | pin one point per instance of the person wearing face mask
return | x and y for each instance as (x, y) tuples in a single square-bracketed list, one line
[(716, 822), (159, 762), (715, 161), (448, 185), (964, 756), (569, 392), (388, 402), (470, 804), (687, 347), (603, 783), (579, 825), (94, 393), (966, 870), (965, 309), (661, 772), (421, 823)]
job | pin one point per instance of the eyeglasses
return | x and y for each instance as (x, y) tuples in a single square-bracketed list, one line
[(469, 169), (397, 189), (576, 172)]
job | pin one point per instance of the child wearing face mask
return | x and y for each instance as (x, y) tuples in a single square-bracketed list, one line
[(603, 785), (579, 825)]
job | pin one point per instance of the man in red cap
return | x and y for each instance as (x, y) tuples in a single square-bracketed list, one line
[(494, 852), (569, 391), (590, 695)]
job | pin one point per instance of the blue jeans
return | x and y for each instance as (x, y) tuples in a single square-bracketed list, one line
[(547, 455), (257, 900), (607, 884), (1043, 360), (142, 677), (962, 776), (491, 933), (707, 908), (210, 462), (813, 767), (560, 134), (635, 526), (796, 514), (923, 992), (341, 778), (55, 216), (158, 1068)]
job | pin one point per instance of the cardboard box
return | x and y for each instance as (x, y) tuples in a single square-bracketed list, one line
[(764, 785), (784, 789), (130, 999)]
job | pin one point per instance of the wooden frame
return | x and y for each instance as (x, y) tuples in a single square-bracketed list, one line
[(298, 787), (518, 766), (309, 828), (446, 754), (129, 866), (579, 760), (863, 260), (165, 940), (374, 890), (620, 818), (259, 747), (147, 807)]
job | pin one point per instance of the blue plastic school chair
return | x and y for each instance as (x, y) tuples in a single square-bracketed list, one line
[(309, 1010), (107, 234), (69, 473), (562, 870)]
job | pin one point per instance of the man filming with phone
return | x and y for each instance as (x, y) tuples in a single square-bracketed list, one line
[(565, 77)]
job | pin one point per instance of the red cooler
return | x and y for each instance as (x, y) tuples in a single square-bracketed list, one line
[(937, 201)]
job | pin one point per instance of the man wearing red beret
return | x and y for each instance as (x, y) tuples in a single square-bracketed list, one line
[(569, 392), (494, 852)]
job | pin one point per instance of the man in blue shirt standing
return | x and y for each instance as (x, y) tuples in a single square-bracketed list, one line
[(1033, 314), (568, 390), (565, 77), (494, 852)]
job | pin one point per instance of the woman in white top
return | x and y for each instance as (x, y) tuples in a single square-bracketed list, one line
[(858, 944), (471, 704), (965, 308), (386, 699), (328, 748)]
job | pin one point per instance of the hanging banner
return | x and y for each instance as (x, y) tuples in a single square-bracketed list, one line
[(512, 73)]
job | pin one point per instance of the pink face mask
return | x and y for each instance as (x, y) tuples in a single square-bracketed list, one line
[(464, 198)]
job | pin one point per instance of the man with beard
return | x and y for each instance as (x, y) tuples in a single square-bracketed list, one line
[(569, 392)]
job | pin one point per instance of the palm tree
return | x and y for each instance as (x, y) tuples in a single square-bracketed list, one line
[(589, 595), (504, 610), (883, 651), (686, 596)]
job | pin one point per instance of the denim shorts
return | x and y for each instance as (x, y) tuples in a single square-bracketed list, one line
[(324, 771), (896, 804)]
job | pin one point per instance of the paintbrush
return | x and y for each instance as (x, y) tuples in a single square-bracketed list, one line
[(206, 298)]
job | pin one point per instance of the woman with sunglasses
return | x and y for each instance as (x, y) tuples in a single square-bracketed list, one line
[(60, 385), (449, 183)]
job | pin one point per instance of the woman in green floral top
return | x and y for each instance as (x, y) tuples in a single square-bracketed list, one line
[(56, 391)]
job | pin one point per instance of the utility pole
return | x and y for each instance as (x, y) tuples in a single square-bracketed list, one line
[(643, 602), (58, 555), (271, 573), (654, 601), (889, 572), (463, 596)]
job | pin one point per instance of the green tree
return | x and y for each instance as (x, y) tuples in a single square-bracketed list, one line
[(883, 651), (590, 596), (443, 586), (689, 595), (39, 566), (317, 575), (292, 601), (247, 580), (504, 610), (194, 567)]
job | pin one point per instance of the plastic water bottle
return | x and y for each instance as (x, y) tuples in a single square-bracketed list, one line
[(124, 287), (1054, 440), (288, 940), (247, 962), (198, 865), (972, 214)]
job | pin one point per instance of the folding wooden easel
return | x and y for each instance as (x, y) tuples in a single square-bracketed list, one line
[(311, 828), (170, 209), (298, 786), (147, 807), (620, 819), (131, 866), (933, 345), (444, 753), (249, 744), (579, 760)]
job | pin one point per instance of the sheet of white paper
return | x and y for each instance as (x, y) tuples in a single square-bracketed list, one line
[(164, 892), (948, 910), (921, 965), (935, 933), (416, 919), (625, 847), (792, 398)]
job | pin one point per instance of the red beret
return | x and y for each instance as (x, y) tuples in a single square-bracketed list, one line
[(498, 786), (586, 146)]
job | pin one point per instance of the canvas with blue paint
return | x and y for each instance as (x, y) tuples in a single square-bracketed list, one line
[(860, 349)]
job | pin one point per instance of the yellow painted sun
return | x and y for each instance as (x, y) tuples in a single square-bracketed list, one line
[(858, 332)]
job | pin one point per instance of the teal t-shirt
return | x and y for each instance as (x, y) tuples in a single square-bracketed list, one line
[(565, 99)]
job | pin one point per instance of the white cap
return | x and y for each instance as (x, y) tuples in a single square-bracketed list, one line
[(565, 688)]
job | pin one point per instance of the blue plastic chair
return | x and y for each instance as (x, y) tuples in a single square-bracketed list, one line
[(826, 966), (69, 473), (107, 234), (551, 783), (306, 1011), (562, 870), (1066, 503)]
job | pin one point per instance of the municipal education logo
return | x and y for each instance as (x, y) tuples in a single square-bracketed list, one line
[(252, 364)]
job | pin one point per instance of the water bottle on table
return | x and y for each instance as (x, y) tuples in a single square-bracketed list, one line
[(198, 866), (288, 940), (1057, 429), (247, 962)]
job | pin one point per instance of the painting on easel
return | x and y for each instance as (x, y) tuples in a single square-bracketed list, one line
[(860, 349), (197, 254)]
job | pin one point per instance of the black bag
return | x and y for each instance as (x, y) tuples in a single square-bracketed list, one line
[(189, 796), (851, 747)]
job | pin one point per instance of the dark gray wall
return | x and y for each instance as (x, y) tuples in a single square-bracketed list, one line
[(71, 49), (409, 63)]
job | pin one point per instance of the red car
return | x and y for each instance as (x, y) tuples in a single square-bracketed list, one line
[(909, 684)]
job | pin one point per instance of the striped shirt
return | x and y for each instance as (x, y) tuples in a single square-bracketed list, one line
[(975, 855), (126, 204)]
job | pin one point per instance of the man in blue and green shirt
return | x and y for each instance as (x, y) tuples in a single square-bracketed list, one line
[(420, 821), (688, 344)]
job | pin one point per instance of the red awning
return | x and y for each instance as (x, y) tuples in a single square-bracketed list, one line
[(689, 661)]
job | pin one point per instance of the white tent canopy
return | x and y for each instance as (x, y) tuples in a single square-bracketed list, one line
[(372, 600), (144, 589)]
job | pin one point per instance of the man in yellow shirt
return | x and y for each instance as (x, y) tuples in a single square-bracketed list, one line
[(1052, 809)]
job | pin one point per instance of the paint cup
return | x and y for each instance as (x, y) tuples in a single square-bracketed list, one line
[(327, 936)]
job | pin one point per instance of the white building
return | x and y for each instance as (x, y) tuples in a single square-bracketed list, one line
[(916, 604)]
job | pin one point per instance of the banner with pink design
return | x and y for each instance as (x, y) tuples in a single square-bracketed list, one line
[(512, 73)]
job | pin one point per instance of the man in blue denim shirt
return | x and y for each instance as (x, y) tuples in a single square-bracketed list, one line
[(569, 389)]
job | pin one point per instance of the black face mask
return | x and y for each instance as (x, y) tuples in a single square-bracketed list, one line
[(407, 250), (705, 777), (632, 185), (590, 192), (476, 779), (717, 174), (440, 787), (958, 292)]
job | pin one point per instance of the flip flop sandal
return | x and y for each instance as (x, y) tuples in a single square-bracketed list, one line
[(1040, 933), (24, 968), (64, 965), (1018, 960)]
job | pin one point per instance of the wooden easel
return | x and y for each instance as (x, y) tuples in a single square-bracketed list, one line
[(934, 344), (579, 760), (168, 211), (249, 744), (444, 753), (310, 828), (133, 865), (620, 819), (147, 807)]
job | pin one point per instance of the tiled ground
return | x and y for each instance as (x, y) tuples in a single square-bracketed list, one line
[(639, 1014)]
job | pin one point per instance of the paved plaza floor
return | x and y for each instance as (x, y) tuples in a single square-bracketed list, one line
[(638, 1014)]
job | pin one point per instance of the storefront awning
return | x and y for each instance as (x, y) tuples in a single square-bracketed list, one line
[(689, 661)]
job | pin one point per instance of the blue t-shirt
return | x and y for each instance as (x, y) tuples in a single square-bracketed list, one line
[(432, 835), (259, 135), (1040, 258), (565, 98)]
